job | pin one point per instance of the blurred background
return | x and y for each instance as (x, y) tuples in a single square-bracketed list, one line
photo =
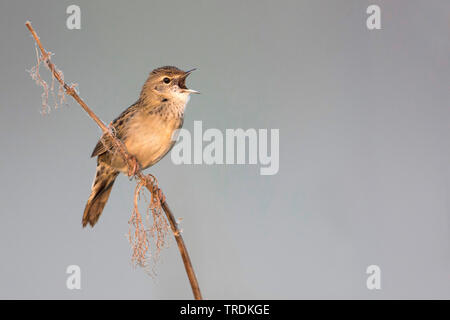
[(364, 124)]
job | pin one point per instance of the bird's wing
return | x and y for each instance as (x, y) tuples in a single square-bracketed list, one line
[(119, 129), (102, 145)]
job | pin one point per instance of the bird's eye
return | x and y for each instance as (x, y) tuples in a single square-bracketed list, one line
[(166, 80)]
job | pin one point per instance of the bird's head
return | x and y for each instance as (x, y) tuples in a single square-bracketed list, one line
[(168, 82)]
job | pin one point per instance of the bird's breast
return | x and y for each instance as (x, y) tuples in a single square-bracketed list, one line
[(149, 137)]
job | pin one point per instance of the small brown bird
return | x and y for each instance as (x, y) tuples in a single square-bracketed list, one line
[(145, 128)]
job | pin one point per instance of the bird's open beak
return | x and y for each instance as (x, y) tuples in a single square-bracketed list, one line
[(184, 78), (191, 91), (189, 72)]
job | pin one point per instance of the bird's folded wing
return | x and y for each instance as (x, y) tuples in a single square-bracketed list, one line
[(102, 146)]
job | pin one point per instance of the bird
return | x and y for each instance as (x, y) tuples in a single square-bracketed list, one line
[(146, 128)]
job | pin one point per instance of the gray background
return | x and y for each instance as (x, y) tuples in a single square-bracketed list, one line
[(364, 127)]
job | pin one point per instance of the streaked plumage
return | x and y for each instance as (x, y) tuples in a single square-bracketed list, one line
[(145, 128)]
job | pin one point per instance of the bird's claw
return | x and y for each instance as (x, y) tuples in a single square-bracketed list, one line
[(134, 168)]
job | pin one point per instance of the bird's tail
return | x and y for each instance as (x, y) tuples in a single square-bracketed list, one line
[(101, 188)]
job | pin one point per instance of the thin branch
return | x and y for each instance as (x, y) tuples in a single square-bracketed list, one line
[(131, 162), (183, 251)]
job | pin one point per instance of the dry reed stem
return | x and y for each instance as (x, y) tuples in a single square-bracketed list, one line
[(140, 237)]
